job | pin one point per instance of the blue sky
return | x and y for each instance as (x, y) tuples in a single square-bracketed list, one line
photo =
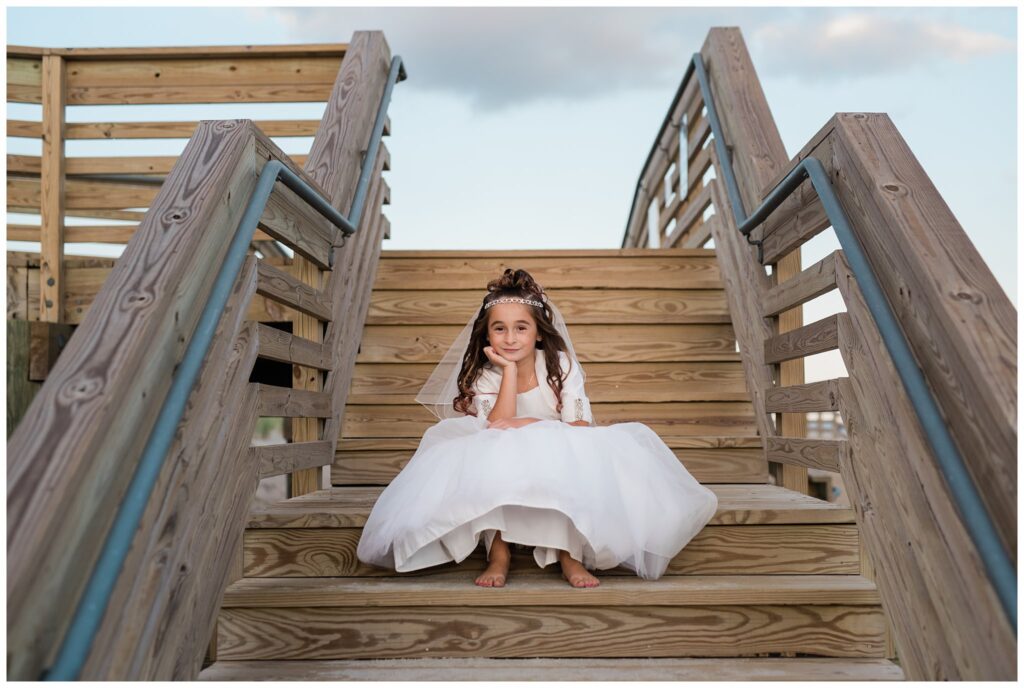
[(527, 127)]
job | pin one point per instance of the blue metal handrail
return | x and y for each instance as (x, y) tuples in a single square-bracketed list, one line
[(998, 564), (89, 613)]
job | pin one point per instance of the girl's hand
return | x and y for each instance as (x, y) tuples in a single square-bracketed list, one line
[(509, 423), (496, 358)]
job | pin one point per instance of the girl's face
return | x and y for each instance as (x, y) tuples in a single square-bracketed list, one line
[(512, 331)]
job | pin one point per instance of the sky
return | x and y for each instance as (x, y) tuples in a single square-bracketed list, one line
[(527, 127)]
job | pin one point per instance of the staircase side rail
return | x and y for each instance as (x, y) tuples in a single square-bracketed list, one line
[(861, 147), (91, 605)]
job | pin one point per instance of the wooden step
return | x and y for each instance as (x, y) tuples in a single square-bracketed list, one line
[(758, 529), (605, 343), (563, 669), (665, 418), (446, 615), (553, 269), (578, 306), (709, 459), (649, 382)]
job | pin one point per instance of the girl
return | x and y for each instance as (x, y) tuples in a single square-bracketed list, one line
[(517, 458)]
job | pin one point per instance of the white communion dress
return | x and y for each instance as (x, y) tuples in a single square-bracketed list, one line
[(610, 495)]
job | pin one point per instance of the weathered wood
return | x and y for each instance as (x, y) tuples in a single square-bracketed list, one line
[(278, 285), (958, 321), (157, 130), (813, 396), (279, 459), (20, 388), (744, 280), (81, 194), (292, 403), (51, 191), (620, 343), (154, 166), (47, 340), (929, 573), (811, 283), (278, 345), (559, 669), (581, 306), (292, 221), (73, 452), (130, 53), (764, 549), (167, 595), (674, 268), (667, 418), (821, 335), (398, 383), (801, 451)]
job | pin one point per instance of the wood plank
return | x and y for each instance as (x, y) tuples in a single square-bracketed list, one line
[(607, 343), (130, 53), (641, 631), (292, 403), (570, 270), (20, 389), (407, 593), (278, 285), (205, 487), (802, 451), (52, 192), (696, 206), (292, 221), (79, 194), (154, 166), (157, 73), (278, 345), (959, 323), (803, 549), (560, 669), (398, 383), (821, 335), (714, 465), (812, 396), (811, 283), (82, 429), (157, 130), (185, 95), (927, 567), (580, 306), (25, 78), (280, 459)]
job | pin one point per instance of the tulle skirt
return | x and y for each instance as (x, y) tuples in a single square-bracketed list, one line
[(610, 495)]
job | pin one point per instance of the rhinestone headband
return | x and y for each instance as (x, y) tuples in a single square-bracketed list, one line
[(514, 299)]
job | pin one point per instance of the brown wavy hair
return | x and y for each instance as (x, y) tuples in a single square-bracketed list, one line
[(511, 283)]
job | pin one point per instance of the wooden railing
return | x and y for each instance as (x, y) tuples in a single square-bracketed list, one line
[(933, 570), (72, 458)]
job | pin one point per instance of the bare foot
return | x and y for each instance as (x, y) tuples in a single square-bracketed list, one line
[(495, 574), (574, 572)]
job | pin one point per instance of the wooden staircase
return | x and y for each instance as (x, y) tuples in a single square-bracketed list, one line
[(775, 587)]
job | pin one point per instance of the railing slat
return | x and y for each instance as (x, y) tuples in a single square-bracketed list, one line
[(278, 285)]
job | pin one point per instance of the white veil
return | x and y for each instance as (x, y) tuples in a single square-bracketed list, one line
[(442, 387)]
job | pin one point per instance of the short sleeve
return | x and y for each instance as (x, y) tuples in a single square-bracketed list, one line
[(485, 389), (575, 404)]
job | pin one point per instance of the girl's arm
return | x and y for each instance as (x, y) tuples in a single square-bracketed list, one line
[(505, 406), (575, 404)]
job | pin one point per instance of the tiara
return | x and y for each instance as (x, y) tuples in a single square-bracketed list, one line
[(514, 299)]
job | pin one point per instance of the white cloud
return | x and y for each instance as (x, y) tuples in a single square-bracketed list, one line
[(499, 57), (867, 42)]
